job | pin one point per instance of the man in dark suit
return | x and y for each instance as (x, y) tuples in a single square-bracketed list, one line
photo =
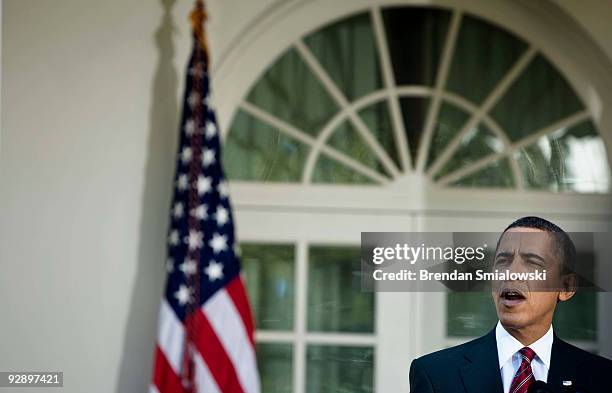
[(523, 348)]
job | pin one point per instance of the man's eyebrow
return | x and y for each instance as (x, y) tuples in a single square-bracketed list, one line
[(532, 255), (504, 253)]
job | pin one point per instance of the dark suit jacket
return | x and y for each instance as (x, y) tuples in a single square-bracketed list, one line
[(473, 367)]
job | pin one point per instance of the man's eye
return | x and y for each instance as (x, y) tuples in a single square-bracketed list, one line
[(502, 261), (535, 262)]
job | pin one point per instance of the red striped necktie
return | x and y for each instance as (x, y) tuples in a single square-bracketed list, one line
[(524, 376)]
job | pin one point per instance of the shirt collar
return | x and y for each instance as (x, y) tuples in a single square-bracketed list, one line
[(508, 346)]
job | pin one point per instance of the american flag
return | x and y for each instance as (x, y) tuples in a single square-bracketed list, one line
[(205, 341)]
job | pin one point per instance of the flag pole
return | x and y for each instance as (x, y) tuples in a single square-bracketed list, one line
[(198, 18), (201, 58)]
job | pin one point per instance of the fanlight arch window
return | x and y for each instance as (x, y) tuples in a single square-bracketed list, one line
[(377, 95)]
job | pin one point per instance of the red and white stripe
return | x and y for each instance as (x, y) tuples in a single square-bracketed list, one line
[(225, 360)]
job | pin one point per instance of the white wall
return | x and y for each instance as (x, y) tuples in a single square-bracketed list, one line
[(89, 125), (594, 17), (89, 117), (85, 173)]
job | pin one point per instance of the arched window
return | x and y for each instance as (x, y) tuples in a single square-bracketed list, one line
[(460, 100), (397, 118)]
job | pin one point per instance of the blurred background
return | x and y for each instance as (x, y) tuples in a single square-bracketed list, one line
[(338, 116)]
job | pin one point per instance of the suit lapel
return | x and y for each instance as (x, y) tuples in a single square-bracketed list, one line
[(564, 362), (482, 373)]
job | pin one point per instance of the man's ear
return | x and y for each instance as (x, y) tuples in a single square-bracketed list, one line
[(569, 284)]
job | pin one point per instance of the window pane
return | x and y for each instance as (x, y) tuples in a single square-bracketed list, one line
[(538, 98), (469, 314), (339, 369), (269, 272), (415, 37), (497, 174), (347, 51), (378, 120), (479, 142), (335, 300), (330, 171), (566, 160), (347, 140), (576, 319), (414, 112), (292, 93), (450, 120), (483, 55), (256, 151), (473, 314), (275, 363)]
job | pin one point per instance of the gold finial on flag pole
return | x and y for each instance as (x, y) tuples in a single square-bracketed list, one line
[(198, 17)]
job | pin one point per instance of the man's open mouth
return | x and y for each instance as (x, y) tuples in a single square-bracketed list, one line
[(511, 297)]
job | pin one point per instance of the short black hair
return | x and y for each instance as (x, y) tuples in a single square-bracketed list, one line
[(565, 246)]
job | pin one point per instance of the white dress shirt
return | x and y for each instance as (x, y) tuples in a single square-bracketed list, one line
[(510, 359)]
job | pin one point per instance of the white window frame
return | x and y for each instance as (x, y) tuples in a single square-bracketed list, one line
[(411, 201)]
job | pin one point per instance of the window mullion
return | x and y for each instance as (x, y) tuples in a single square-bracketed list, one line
[(301, 285), (389, 80), (432, 114)]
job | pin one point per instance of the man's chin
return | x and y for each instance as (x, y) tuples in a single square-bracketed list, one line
[(514, 321), (512, 317)]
